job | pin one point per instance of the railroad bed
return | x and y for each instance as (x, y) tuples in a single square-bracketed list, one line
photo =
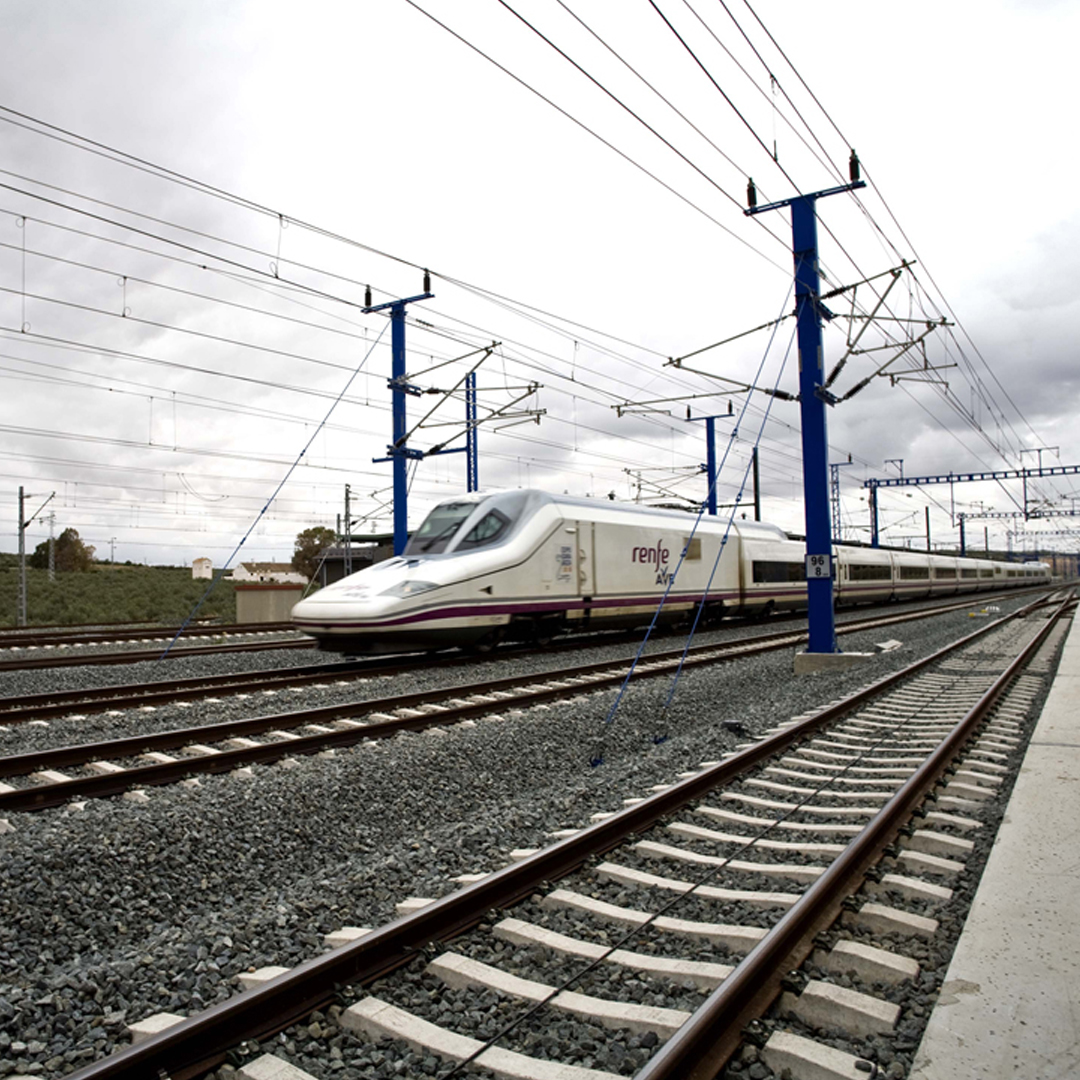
[(128, 763), (167, 903)]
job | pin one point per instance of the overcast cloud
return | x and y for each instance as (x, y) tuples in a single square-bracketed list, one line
[(162, 393)]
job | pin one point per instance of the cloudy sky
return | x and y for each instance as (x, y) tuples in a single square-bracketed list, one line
[(573, 174)]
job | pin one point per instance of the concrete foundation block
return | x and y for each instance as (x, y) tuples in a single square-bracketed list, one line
[(807, 663)]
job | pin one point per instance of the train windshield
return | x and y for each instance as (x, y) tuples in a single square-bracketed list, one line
[(439, 528)]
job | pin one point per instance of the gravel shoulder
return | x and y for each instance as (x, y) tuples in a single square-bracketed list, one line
[(120, 911)]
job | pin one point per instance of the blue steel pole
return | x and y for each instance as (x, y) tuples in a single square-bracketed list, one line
[(472, 462), (815, 443), (710, 461), (399, 422), (874, 539)]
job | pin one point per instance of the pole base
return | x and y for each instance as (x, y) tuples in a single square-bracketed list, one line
[(808, 663)]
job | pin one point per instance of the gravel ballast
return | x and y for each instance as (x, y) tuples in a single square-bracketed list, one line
[(120, 911)]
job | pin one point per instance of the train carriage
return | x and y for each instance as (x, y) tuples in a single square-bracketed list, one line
[(527, 564)]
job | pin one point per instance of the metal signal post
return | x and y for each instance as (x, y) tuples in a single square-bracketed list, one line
[(812, 399)]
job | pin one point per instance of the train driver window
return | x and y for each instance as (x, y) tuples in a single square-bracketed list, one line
[(486, 531), (438, 528)]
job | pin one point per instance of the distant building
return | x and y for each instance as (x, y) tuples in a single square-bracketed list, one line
[(271, 572), (202, 568), (363, 553)]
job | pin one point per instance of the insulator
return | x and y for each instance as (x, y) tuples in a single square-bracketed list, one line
[(367, 296), (853, 167), (687, 412), (730, 407), (427, 282), (751, 194)]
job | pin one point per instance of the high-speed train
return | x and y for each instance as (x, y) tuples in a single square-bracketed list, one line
[(527, 564)]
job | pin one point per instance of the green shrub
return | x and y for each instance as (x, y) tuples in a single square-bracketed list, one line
[(113, 594)]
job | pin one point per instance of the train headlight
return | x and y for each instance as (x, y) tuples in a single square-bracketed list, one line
[(410, 588)]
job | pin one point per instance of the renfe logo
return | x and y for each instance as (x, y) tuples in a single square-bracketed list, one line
[(657, 558), (652, 556)]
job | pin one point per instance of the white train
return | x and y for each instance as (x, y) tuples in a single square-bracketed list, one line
[(527, 565)]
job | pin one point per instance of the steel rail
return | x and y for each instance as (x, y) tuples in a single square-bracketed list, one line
[(609, 673), (105, 636), (135, 657), (55, 794), (700, 1048), (305, 643), (203, 1041), (17, 710)]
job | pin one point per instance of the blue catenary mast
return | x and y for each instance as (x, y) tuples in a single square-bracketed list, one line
[(812, 399)]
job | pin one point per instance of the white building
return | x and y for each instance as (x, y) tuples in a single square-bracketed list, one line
[(202, 568), (278, 573)]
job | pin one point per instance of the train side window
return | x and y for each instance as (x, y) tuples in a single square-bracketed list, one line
[(772, 572), (692, 548), (486, 531), (870, 572)]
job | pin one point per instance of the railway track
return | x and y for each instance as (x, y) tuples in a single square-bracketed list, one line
[(134, 656), (675, 921), (55, 703), (149, 759), (294, 641), (57, 636)]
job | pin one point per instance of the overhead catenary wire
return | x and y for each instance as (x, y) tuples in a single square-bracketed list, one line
[(269, 502)]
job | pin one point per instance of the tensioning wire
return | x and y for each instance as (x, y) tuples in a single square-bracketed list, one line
[(269, 502), (598, 757), (727, 532)]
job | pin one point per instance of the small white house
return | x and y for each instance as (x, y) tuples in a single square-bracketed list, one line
[(272, 572), (202, 568)]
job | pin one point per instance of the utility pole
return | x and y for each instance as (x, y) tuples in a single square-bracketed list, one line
[(812, 399), (21, 619), (112, 550), (472, 457), (348, 533), (927, 528), (1032, 450), (52, 545), (24, 523), (397, 451), (834, 497), (757, 490), (710, 455)]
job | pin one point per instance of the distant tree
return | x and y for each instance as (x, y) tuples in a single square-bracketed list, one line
[(308, 548), (71, 553)]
